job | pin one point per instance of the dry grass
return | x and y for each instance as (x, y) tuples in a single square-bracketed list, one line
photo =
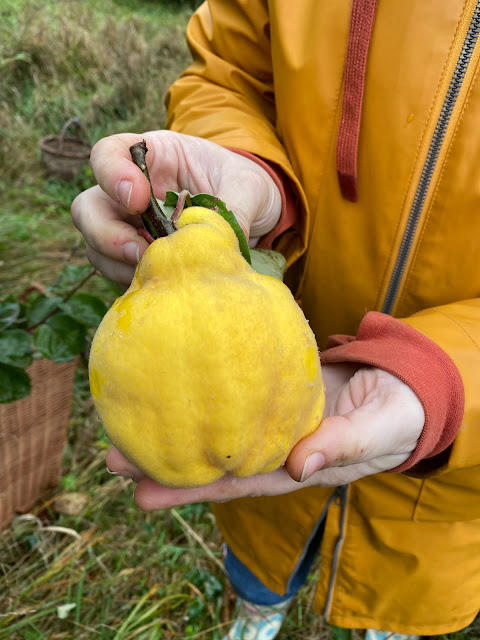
[(109, 64), (102, 64)]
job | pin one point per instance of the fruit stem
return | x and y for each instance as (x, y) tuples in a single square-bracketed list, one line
[(153, 218), (183, 197)]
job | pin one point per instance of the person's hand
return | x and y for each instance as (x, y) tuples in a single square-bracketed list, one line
[(107, 214), (372, 422)]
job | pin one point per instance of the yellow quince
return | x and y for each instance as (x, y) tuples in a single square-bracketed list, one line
[(205, 367)]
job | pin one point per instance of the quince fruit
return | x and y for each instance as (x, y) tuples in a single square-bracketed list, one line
[(205, 367)]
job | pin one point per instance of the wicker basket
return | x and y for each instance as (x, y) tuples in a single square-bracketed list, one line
[(65, 156), (33, 434)]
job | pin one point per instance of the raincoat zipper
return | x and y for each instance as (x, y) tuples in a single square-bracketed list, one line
[(432, 157), (341, 492)]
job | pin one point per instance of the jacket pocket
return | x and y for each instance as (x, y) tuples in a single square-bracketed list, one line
[(451, 497)]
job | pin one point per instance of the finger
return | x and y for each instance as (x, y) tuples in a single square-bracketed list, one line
[(336, 476), (150, 495), (105, 228), (358, 436), (117, 175), (117, 464), (115, 271)]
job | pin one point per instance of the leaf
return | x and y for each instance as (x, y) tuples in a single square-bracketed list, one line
[(16, 348), (64, 609), (70, 275), (171, 199), (21, 56), (61, 338), (268, 262), (168, 205), (69, 480), (71, 504), (85, 308), (211, 202), (195, 608), (339, 633), (41, 306), (14, 383), (213, 587), (9, 312)]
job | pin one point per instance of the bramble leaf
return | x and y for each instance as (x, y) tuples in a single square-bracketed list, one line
[(14, 383), (40, 308), (9, 312), (61, 338), (16, 348)]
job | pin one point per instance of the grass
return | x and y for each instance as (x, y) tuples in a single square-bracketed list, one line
[(102, 62), (85, 563)]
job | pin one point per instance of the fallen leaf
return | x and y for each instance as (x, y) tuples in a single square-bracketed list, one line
[(70, 503)]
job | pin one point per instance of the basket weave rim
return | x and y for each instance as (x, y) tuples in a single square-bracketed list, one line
[(46, 145)]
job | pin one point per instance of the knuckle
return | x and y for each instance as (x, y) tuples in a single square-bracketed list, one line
[(97, 148), (95, 259), (76, 209)]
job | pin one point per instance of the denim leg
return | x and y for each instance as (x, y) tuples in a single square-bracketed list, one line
[(250, 588)]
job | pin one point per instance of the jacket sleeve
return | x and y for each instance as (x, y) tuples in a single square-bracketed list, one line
[(227, 95), (455, 328)]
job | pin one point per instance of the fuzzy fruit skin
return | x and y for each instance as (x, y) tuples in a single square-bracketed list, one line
[(205, 367)]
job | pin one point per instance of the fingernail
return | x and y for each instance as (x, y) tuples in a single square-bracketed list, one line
[(124, 192), (313, 463), (123, 474), (131, 252)]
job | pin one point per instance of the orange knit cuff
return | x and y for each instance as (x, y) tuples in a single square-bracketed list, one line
[(392, 345)]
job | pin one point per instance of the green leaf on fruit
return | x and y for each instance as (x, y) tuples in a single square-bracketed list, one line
[(16, 348), (61, 338), (14, 383), (268, 262), (264, 261), (209, 202), (168, 206)]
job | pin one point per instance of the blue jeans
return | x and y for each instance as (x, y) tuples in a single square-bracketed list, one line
[(248, 587)]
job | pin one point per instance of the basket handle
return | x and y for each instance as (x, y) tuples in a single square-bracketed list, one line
[(35, 286), (68, 123)]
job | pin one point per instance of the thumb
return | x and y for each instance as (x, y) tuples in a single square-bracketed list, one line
[(117, 175), (339, 441)]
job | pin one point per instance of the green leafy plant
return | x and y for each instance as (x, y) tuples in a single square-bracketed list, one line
[(50, 323)]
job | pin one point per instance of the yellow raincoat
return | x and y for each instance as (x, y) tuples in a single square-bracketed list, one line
[(399, 552)]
